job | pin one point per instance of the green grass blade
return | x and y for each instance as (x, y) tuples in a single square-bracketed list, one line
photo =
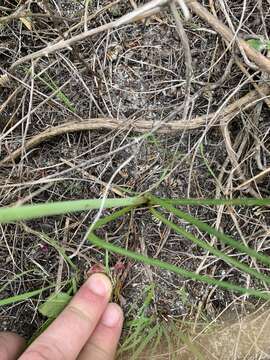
[(175, 269), (139, 325), (211, 172), (115, 215), (228, 259), (27, 212), (22, 297), (61, 96), (212, 231), (144, 341), (138, 328), (213, 202)]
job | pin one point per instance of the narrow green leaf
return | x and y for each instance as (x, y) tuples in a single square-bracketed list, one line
[(54, 87), (207, 163), (175, 269), (212, 231), (54, 305), (115, 215), (22, 297), (27, 212), (228, 259), (213, 202), (144, 341)]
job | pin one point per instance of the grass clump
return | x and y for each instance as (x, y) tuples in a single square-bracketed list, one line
[(35, 211)]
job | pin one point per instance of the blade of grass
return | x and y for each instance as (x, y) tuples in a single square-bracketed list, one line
[(61, 96), (144, 341), (175, 269), (27, 212), (115, 215), (213, 202), (212, 231), (192, 347), (211, 249), (138, 328), (138, 325), (211, 172), (155, 342), (22, 297)]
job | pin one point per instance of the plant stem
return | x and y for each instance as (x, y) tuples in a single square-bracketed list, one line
[(177, 270), (219, 254), (27, 212), (211, 231), (213, 202)]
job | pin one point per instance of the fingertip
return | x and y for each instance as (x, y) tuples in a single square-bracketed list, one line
[(112, 316), (11, 345), (99, 284), (104, 340), (15, 340)]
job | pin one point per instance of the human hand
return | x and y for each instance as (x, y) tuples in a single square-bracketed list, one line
[(88, 329)]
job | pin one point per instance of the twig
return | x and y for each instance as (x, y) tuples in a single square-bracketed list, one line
[(133, 4), (188, 59), (241, 66), (114, 188), (136, 14), (259, 176), (25, 14), (244, 70), (104, 197), (61, 258), (185, 9), (143, 126), (256, 57)]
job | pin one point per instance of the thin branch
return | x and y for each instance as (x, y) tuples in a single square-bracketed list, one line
[(185, 9), (143, 11), (188, 59), (256, 57), (143, 126)]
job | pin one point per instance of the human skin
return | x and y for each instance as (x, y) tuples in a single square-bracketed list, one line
[(88, 328)]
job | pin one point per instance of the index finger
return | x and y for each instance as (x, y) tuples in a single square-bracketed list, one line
[(66, 336)]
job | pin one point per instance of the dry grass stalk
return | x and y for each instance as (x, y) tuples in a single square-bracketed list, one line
[(142, 126), (137, 14), (257, 58)]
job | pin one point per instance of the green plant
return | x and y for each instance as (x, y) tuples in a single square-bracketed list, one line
[(28, 212), (169, 205), (48, 81), (141, 330), (259, 44)]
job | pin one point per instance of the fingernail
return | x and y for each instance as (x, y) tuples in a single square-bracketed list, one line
[(99, 284), (111, 316)]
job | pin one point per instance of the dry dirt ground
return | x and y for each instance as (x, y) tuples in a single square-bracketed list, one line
[(132, 73)]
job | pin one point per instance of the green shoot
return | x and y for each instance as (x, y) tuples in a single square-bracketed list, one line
[(28, 212), (228, 259), (175, 269), (212, 231)]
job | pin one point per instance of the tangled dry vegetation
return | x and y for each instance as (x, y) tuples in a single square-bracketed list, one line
[(158, 95)]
